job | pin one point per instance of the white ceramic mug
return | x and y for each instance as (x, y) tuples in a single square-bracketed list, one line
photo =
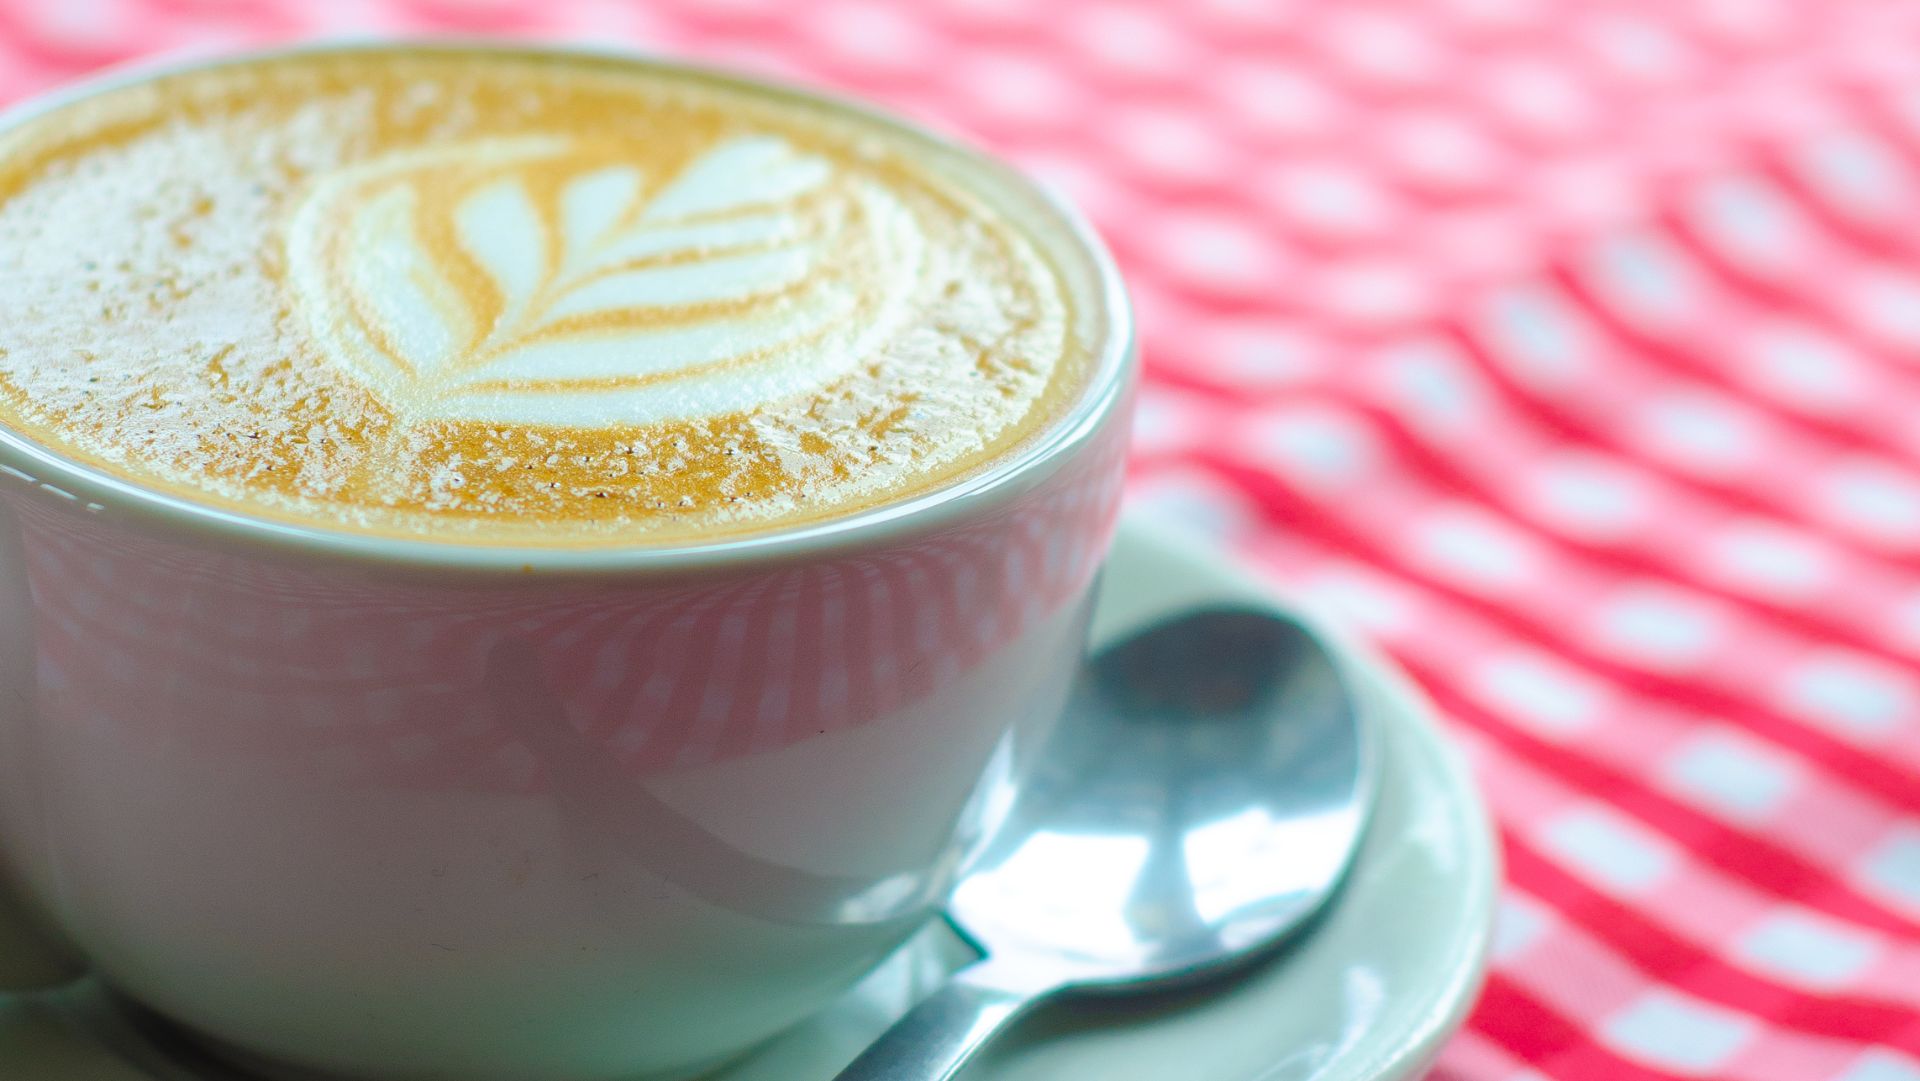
[(402, 810)]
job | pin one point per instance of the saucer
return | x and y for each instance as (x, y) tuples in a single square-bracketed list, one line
[(1368, 993)]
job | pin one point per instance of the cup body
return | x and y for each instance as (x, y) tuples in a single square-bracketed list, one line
[(393, 810)]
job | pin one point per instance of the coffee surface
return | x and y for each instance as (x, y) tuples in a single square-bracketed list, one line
[(521, 298)]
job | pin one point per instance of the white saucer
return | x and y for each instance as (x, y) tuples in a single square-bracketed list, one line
[(1368, 994)]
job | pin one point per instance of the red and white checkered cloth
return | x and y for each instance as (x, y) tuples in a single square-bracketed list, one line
[(1571, 346)]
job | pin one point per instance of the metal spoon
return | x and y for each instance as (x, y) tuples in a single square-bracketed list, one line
[(1201, 798)]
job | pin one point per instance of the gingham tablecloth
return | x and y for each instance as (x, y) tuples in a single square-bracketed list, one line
[(1571, 347)]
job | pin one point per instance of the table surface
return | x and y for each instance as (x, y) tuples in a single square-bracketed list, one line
[(1570, 348)]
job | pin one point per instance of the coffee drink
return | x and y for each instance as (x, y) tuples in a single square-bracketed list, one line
[(358, 715), (502, 298)]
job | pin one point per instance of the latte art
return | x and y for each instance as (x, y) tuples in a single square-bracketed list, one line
[(525, 282), (491, 297)]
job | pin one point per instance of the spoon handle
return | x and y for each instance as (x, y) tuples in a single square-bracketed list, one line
[(939, 1035)]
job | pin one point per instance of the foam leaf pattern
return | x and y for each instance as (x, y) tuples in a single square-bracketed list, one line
[(539, 281)]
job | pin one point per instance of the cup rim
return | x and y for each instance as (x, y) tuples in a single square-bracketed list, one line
[(66, 480)]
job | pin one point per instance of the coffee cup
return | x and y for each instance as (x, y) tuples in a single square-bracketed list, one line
[(365, 804)]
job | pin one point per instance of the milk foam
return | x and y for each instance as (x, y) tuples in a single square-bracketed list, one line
[(521, 299), (754, 274)]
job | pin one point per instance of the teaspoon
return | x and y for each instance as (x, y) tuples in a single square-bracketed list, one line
[(1200, 800)]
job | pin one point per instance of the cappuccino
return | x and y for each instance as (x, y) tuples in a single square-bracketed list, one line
[(523, 298)]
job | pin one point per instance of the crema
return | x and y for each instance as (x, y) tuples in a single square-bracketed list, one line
[(519, 298)]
